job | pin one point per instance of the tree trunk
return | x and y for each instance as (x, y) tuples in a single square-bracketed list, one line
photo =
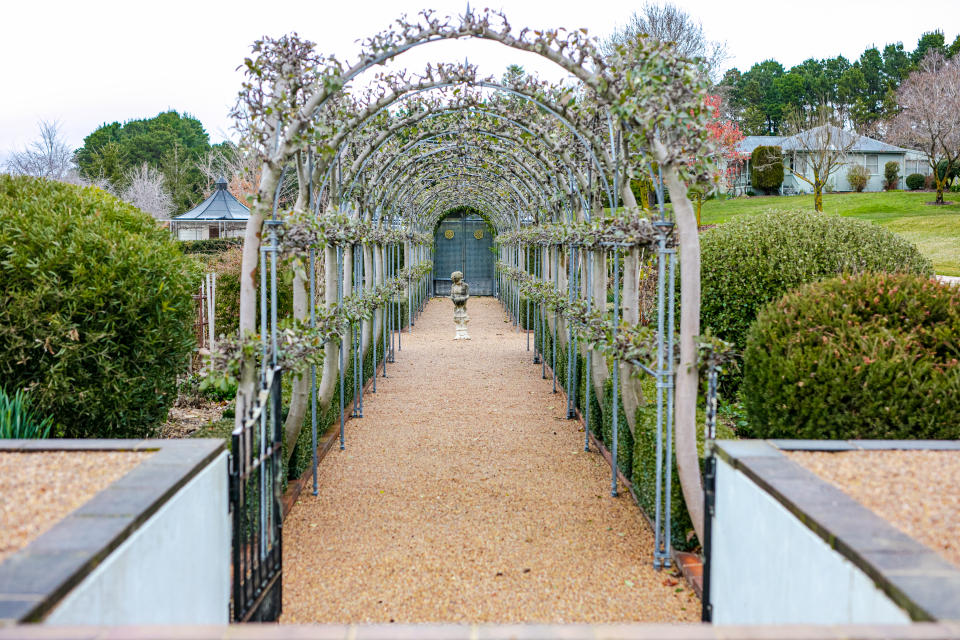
[(367, 330), (331, 364), (249, 265), (600, 373), (300, 392), (687, 376), (818, 197), (631, 391)]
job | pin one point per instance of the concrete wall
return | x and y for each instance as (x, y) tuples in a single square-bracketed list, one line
[(766, 566), (174, 569)]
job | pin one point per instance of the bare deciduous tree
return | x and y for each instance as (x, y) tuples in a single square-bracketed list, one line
[(670, 23), (929, 118), (48, 157), (146, 191), (817, 149)]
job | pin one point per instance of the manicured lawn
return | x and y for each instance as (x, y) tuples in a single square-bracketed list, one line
[(935, 230)]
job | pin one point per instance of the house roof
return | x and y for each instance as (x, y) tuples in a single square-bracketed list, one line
[(749, 143), (221, 205), (838, 137)]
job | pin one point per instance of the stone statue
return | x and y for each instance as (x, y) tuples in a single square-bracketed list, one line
[(459, 292)]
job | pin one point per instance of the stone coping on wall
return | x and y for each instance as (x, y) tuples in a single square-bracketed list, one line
[(253, 631), (35, 579), (911, 574)]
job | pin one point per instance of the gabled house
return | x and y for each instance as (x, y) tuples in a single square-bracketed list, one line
[(867, 152)]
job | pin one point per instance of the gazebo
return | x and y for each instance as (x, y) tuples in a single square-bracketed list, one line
[(219, 216)]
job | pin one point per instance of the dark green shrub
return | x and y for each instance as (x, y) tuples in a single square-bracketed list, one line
[(891, 175), (18, 419), (857, 176), (755, 259), (944, 174), (864, 356), (227, 267), (766, 168), (645, 461), (95, 308), (915, 181), (211, 246)]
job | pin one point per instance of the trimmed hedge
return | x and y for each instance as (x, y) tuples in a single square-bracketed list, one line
[(755, 259), (211, 246), (766, 168), (682, 533), (863, 356), (96, 313), (915, 181)]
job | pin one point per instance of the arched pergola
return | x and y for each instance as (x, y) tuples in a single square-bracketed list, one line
[(549, 165)]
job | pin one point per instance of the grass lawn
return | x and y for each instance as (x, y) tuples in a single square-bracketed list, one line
[(935, 230)]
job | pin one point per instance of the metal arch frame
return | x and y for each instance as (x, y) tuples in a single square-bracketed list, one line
[(379, 178), (494, 114), (397, 97), (472, 180), (432, 158), (370, 151), (445, 187)]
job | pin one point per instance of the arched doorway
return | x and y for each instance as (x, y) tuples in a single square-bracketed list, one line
[(463, 242)]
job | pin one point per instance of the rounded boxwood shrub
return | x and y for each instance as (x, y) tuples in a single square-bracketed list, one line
[(861, 357), (96, 310), (915, 181), (766, 169), (752, 260)]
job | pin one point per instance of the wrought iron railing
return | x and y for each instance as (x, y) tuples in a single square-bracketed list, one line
[(255, 493)]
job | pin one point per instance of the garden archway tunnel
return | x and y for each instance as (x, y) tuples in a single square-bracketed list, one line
[(378, 171)]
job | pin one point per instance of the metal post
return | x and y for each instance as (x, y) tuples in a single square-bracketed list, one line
[(556, 317), (313, 367), (570, 354), (670, 377), (588, 390), (661, 386), (340, 302), (614, 463)]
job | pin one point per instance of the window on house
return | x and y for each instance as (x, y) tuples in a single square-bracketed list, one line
[(873, 163)]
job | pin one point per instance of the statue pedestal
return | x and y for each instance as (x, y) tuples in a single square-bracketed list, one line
[(460, 320)]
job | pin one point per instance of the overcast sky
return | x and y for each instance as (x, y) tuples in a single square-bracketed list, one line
[(86, 63)]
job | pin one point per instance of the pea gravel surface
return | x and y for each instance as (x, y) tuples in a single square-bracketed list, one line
[(464, 495), (38, 489), (915, 491)]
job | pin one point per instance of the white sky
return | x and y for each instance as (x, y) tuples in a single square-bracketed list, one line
[(86, 63)]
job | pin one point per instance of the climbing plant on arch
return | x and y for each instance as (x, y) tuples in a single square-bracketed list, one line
[(550, 165)]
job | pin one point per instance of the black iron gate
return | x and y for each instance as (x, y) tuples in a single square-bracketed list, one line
[(463, 243), (255, 492)]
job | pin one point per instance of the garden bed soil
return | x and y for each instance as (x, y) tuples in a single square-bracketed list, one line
[(915, 491), (465, 495), (39, 488), (185, 421)]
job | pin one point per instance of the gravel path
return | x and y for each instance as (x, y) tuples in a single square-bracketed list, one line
[(464, 496), (915, 491), (38, 489)]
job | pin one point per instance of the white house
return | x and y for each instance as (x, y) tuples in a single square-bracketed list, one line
[(867, 152)]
